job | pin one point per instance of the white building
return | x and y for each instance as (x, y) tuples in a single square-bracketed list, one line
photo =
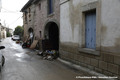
[(90, 34), (11, 31), (0, 19), (3, 32), (0, 31), (0, 5)]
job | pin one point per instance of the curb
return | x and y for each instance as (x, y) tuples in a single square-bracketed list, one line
[(78, 67)]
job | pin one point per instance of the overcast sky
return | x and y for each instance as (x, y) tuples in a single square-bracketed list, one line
[(10, 14)]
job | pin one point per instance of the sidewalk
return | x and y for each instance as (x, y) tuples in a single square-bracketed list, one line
[(79, 72), (88, 73)]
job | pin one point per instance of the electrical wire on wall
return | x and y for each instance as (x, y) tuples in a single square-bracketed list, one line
[(15, 20), (4, 10)]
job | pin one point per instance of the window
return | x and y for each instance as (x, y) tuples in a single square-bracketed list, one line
[(26, 17), (50, 6), (29, 15), (29, 10), (39, 6), (40, 34)]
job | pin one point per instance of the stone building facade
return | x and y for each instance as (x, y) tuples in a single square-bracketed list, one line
[(89, 34), (45, 18), (28, 19), (47, 21), (86, 32)]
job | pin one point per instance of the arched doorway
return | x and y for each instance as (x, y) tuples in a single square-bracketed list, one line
[(52, 35), (31, 36)]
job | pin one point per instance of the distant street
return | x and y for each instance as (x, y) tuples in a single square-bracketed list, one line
[(24, 64)]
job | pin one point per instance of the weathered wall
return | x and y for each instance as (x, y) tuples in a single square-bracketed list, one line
[(108, 35), (31, 16), (70, 21), (0, 31), (3, 33), (42, 17), (25, 27), (110, 19), (71, 32), (29, 23)]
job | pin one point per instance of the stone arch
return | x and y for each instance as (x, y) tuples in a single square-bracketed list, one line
[(51, 33), (30, 30), (31, 35)]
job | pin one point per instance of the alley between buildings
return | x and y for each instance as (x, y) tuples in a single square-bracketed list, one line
[(24, 64)]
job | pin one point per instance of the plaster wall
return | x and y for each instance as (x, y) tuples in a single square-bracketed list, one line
[(3, 33), (70, 30), (0, 5), (110, 21), (109, 31), (0, 31), (108, 35)]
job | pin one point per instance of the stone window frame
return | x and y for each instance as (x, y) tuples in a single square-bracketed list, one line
[(86, 8), (39, 6), (25, 17), (53, 2), (40, 32), (63, 1)]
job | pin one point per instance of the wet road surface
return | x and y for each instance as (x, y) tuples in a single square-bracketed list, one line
[(24, 64)]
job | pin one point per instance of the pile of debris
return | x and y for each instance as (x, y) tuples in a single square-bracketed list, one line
[(50, 54)]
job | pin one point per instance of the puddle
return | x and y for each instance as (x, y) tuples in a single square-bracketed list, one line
[(23, 59), (13, 76), (20, 55), (20, 60), (13, 47)]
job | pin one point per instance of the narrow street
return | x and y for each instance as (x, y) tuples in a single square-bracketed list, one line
[(24, 64)]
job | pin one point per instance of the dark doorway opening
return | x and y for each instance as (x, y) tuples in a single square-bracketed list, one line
[(54, 36), (51, 36)]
